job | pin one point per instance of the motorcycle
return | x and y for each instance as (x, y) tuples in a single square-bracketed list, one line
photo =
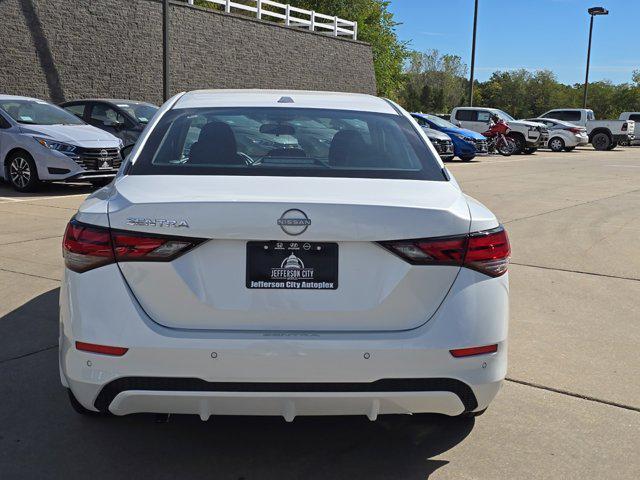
[(497, 139)]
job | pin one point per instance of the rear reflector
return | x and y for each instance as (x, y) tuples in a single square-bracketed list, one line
[(468, 352), (103, 349), (88, 246), (486, 251)]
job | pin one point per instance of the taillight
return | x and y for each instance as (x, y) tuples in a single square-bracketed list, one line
[(487, 251), (86, 247), (575, 130), (625, 126)]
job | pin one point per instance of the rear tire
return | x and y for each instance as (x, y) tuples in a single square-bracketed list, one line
[(520, 143), (467, 158), (530, 150), (556, 144), (473, 414), (601, 141), (22, 173), (613, 145)]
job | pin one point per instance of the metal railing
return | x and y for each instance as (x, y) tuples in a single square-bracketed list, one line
[(292, 16)]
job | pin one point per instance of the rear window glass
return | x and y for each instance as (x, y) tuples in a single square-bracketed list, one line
[(286, 142)]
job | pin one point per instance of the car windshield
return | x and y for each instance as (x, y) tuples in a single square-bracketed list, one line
[(142, 112), (38, 112), (439, 121), (505, 115), (286, 141)]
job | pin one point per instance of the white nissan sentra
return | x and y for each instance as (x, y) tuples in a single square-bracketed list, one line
[(342, 272)]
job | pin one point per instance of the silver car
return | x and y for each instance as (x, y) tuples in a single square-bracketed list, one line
[(40, 142)]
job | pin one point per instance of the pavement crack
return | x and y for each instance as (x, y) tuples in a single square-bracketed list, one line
[(633, 279), (45, 349), (29, 274), (572, 394), (571, 206), (30, 240)]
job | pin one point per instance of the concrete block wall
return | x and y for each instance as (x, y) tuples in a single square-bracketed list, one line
[(61, 50)]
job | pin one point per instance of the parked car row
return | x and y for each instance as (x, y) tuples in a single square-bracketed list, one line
[(42, 142), (558, 130)]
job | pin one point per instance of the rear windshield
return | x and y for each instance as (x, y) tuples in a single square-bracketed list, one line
[(286, 142)]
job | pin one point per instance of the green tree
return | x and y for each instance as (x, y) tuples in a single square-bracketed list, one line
[(433, 82), (375, 26)]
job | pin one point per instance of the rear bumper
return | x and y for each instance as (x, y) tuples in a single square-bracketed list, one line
[(194, 396), (623, 137), (281, 373)]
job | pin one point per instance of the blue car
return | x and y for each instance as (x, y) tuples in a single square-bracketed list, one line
[(466, 143)]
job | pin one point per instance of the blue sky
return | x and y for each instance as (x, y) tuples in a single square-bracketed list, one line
[(531, 34)]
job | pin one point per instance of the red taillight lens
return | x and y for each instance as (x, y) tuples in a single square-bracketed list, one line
[(575, 130), (468, 352), (103, 349), (487, 251), (86, 247)]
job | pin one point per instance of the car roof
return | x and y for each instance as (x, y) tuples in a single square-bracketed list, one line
[(115, 101), (282, 98), (20, 97), (478, 108)]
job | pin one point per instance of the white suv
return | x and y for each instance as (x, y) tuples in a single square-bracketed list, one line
[(42, 142), (343, 274), (528, 136)]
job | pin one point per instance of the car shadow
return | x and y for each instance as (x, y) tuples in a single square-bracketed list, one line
[(46, 190), (41, 433)]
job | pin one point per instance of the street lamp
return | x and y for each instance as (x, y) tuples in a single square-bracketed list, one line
[(473, 53), (165, 50), (593, 11)]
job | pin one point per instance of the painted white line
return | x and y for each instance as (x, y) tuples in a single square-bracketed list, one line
[(624, 166), (35, 199)]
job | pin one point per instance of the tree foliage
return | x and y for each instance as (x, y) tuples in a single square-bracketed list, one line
[(434, 82), (375, 26), (437, 83)]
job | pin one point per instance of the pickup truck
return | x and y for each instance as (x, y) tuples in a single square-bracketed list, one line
[(635, 116), (528, 136), (603, 134)]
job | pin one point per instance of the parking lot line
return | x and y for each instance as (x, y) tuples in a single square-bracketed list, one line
[(34, 199)]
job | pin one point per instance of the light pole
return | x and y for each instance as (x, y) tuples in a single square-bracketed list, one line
[(593, 11), (165, 50), (473, 53)]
